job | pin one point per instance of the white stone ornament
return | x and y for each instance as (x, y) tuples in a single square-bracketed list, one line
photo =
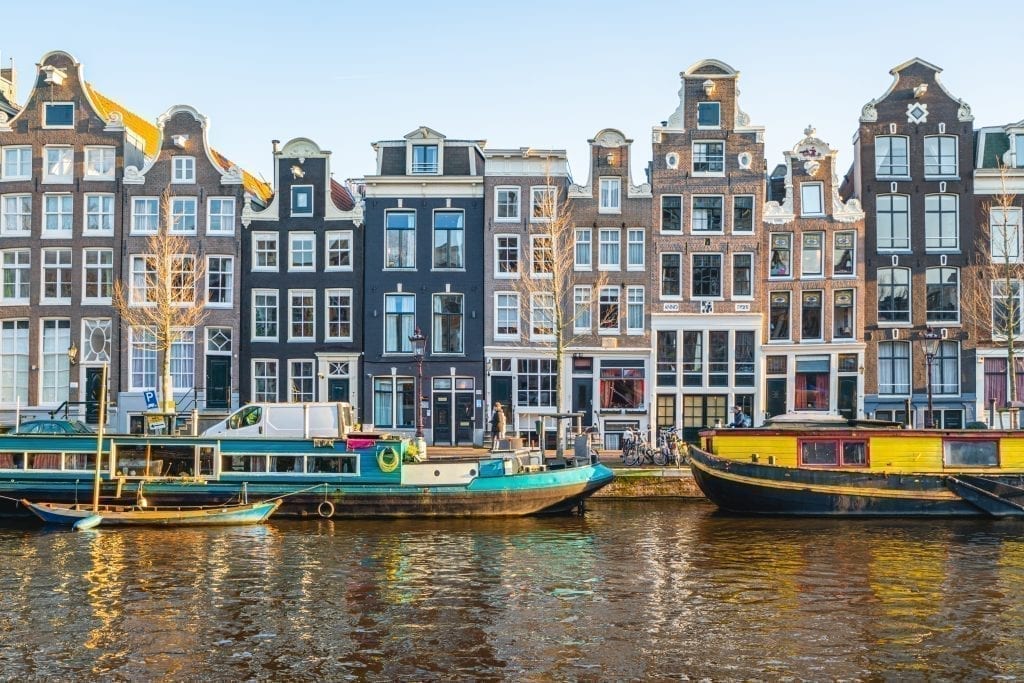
[(297, 171), (133, 176), (744, 159), (917, 112)]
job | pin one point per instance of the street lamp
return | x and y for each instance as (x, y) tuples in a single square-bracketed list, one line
[(929, 341), (419, 347)]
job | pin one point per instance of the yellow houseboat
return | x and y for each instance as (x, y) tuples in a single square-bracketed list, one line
[(872, 469)]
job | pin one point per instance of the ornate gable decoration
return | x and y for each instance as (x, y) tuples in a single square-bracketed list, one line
[(917, 112)]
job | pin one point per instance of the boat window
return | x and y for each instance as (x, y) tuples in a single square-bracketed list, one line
[(80, 461), (827, 452), (244, 463), (286, 463), (44, 461), (333, 464), (974, 453), (855, 453), (12, 461)]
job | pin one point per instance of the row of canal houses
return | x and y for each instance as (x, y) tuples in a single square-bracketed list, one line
[(714, 283)]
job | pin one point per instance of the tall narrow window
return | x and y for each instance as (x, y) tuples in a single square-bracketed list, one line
[(634, 309), (542, 257), (610, 195), (941, 229), (810, 316), (608, 309), (743, 213), (583, 249), (946, 369), (542, 316), (17, 277), (1007, 309), (399, 322), (778, 316), (338, 303), (220, 280), (671, 275), (842, 314), (506, 318), (424, 159), (14, 361), (893, 217), (894, 367), (543, 203), (400, 239), (264, 251), (719, 354), (609, 249), (943, 295), (812, 254), (448, 328), (1005, 231), (844, 253), (506, 204), (98, 275), (940, 156), (301, 315), (220, 218), (99, 213), (635, 249), (264, 381), (582, 308), (56, 369), (300, 381), (707, 275), (183, 360), (56, 276), (707, 214), (693, 358), (742, 275), (506, 256), (57, 215), (142, 357), (667, 341), (671, 213), (183, 214), (811, 199), (781, 259), (265, 314), (449, 239), (894, 295), (743, 372)]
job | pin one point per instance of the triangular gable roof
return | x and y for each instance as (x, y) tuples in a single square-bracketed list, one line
[(712, 68), (149, 133), (258, 188), (916, 60), (424, 132)]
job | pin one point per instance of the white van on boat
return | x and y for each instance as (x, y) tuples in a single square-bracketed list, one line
[(287, 420)]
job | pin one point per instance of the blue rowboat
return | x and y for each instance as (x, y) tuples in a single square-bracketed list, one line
[(140, 515)]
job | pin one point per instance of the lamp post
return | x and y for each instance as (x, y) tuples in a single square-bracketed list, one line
[(419, 347), (929, 341)]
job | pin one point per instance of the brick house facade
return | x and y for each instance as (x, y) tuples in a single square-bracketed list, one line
[(812, 294), (708, 180), (912, 175)]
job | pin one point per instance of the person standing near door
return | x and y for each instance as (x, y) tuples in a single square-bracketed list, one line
[(497, 425)]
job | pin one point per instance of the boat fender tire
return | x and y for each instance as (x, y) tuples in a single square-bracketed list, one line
[(387, 459), (325, 509)]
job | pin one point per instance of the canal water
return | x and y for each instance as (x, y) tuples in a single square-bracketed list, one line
[(637, 590)]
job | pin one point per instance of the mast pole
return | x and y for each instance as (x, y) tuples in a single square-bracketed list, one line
[(99, 439)]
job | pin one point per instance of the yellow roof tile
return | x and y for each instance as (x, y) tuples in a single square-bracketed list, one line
[(149, 133), (251, 183)]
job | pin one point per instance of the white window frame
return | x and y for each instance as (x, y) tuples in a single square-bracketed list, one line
[(402, 344), (910, 297), (103, 199), (891, 167), (1012, 219), (182, 209), (693, 214), (46, 115), (661, 215), (14, 361), (499, 308), (65, 272), (224, 216), (498, 205), (292, 294), (635, 297), (535, 274), (64, 215), (136, 229), (535, 193), (230, 274), (582, 309), (891, 197), (305, 364), (821, 314), (707, 159), (611, 292), (265, 365), (213, 334), (257, 237), (959, 303), (610, 195), (721, 276), (275, 307), (631, 234), (329, 250), (304, 236), (820, 273), (23, 165), (297, 190), (22, 218), (661, 276), (425, 167), (103, 151), (436, 318), (853, 312), (498, 261), (536, 305), (753, 214), (732, 281), (930, 234), (183, 170), (183, 359), (141, 274), (817, 192), (21, 275), (939, 163), (399, 234), (835, 236), (614, 249), (458, 263), (142, 340), (338, 292), (97, 268), (583, 249), (909, 359), (54, 367), (67, 154)]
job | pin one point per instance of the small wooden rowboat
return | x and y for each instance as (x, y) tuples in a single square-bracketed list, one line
[(144, 515)]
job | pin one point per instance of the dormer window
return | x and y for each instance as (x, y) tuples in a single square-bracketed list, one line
[(709, 114), (302, 200), (184, 170), (424, 159), (59, 115)]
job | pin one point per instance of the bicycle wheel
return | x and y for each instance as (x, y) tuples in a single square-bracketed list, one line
[(659, 457), (631, 456)]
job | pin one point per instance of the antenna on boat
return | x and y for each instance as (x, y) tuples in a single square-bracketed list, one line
[(99, 439)]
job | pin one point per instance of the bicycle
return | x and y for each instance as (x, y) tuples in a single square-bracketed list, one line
[(637, 451), (672, 447)]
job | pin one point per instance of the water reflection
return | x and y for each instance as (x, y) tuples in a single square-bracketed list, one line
[(638, 590)]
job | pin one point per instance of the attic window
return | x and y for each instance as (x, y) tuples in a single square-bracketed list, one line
[(59, 115), (709, 114), (424, 158)]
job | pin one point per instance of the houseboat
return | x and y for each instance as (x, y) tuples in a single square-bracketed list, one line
[(842, 468), (353, 476)]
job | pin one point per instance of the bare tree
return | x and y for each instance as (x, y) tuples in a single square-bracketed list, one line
[(992, 293), (165, 299), (548, 280)]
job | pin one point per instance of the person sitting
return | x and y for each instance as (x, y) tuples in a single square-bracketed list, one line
[(739, 418)]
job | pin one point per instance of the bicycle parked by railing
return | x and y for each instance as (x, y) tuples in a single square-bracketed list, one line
[(636, 450), (672, 447)]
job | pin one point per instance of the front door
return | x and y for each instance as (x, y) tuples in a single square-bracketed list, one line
[(776, 403), (464, 418), (583, 399), (218, 382), (93, 378), (702, 412), (442, 419), (501, 392), (848, 397), (337, 389)]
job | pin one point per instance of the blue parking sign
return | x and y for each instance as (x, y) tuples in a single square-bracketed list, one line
[(150, 397)]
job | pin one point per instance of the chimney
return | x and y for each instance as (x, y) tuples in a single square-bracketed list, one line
[(9, 83), (274, 144)]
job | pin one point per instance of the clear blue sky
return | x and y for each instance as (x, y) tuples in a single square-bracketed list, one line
[(526, 73)]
